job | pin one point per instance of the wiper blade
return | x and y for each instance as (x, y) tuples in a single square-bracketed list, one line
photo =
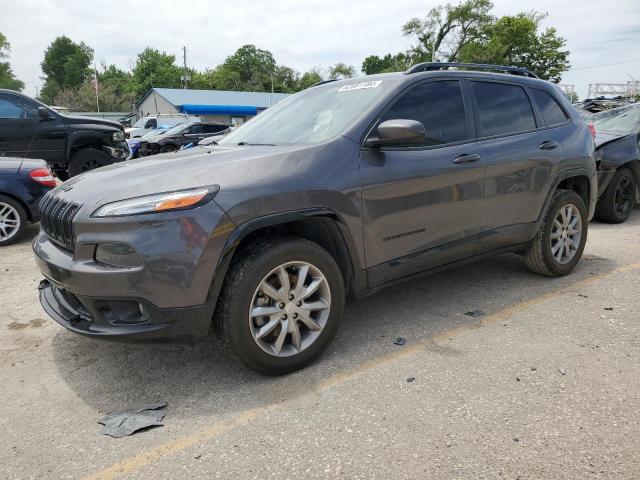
[(256, 144)]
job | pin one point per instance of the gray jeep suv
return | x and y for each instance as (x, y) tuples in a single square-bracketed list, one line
[(338, 190)]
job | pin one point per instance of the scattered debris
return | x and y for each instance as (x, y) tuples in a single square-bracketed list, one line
[(126, 422), (475, 313), (583, 296), (197, 456), (533, 369), (562, 371), (517, 379), (411, 379), (608, 308), (400, 341), (516, 439)]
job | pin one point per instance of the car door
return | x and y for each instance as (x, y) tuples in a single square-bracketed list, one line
[(193, 134), (422, 204), (23, 133), (519, 156)]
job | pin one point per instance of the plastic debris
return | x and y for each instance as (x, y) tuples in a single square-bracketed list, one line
[(411, 379), (562, 371), (123, 423), (475, 313), (608, 308), (400, 341)]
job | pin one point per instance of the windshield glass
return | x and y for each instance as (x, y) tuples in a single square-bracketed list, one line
[(624, 120), (140, 123), (175, 130), (154, 133), (311, 116)]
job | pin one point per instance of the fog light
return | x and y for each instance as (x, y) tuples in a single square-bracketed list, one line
[(117, 255)]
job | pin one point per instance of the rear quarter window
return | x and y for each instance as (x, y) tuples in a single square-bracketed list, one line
[(551, 112), (502, 108)]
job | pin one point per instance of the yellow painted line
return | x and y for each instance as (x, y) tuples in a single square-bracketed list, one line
[(182, 443)]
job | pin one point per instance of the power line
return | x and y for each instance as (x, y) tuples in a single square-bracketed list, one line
[(606, 64)]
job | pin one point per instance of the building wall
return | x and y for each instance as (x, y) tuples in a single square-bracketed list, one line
[(153, 104)]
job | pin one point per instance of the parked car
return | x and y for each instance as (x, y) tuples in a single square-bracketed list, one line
[(70, 145), (341, 189), (23, 183), (134, 143), (179, 136), (618, 161), (146, 124), (214, 139)]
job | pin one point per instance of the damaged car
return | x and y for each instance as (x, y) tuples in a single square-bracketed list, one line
[(618, 162)]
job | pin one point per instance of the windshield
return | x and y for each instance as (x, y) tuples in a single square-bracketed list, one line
[(311, 116), (623, 120), (140, 123), (154, 133), (175, 130)]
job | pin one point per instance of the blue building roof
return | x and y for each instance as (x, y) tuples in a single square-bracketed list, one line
[(194, 99)]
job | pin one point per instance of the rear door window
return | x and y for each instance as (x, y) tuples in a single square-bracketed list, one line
[(440, 108), (551, 112), (502, 109), (12, 106)]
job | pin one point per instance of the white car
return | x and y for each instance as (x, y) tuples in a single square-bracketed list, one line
[(146, 124)]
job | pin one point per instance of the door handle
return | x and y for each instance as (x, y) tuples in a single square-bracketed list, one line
[(466, 158), (548, 145)]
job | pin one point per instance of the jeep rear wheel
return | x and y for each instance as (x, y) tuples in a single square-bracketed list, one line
[(87, 159), (281, 305), (561, 237), (617, 201)]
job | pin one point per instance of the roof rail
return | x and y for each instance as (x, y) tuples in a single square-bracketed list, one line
[(432, 66)]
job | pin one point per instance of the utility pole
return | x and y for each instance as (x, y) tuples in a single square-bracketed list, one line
[(185, 77), (96, 86)]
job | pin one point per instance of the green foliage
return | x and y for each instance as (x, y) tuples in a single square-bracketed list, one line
[(340, 71), (310, 78), (154, 69), (389, 63), (66, 65), (514, 40), (249, 68), (468, 32), (7, 78)]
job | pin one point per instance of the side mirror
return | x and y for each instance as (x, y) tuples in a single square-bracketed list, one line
[(44, 113), (398, 132)]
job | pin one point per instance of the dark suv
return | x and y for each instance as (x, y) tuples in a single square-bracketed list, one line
[(179, 136), (70, 145), (338, 190)]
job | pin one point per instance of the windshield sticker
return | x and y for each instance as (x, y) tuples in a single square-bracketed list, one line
[(359, 86)]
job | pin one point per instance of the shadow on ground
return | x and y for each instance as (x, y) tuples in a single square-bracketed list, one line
[(198, 379)]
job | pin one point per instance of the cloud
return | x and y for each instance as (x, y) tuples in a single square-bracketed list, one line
[(301, 34)]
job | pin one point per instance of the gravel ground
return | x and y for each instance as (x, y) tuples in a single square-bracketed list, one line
[(545, 385)]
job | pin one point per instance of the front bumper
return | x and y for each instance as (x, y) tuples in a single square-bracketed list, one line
[(117, 318)]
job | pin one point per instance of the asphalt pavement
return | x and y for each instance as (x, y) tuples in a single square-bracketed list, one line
[(543, 385)]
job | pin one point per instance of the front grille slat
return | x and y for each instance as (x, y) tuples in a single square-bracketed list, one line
[(56, 219)]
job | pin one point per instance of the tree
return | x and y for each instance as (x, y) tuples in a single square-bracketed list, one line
[(249, 68), (154, 69), (7, 78), (66, 65), (447, 28), (310, 78), (340, 71), (514, 40), (389, 63)]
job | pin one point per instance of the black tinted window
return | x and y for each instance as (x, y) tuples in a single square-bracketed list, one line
[(502, 108), (549, 108), (214, 128), (152, 123), (196, 129), (12, 106), (439, 106)]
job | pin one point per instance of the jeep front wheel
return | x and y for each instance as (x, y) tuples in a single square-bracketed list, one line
[(87, 159), (559, 243), (281, 305)]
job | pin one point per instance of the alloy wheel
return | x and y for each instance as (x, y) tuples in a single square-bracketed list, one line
[(289, 309), (9, 221), (566, 234)]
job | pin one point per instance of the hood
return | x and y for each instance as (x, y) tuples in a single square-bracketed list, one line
[(606, 137), (101, 122), (229, 167)]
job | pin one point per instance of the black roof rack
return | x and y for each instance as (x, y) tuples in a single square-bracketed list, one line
[(324, 81), (432, 66)]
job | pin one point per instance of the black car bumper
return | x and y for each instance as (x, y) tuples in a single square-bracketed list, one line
[(121, 317)]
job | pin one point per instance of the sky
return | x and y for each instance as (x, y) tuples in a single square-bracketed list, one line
[(604, 38)]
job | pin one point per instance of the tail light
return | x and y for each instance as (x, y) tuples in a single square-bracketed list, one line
[(592, 130), (43, 176)]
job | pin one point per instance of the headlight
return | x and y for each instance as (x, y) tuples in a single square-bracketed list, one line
[(161, 202), (117, 137)]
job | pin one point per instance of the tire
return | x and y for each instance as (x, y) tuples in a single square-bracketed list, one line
[(13, 221), (540, 257), (617, 201), (242, 291), (62, 175), (87, 159), (169, 148)]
